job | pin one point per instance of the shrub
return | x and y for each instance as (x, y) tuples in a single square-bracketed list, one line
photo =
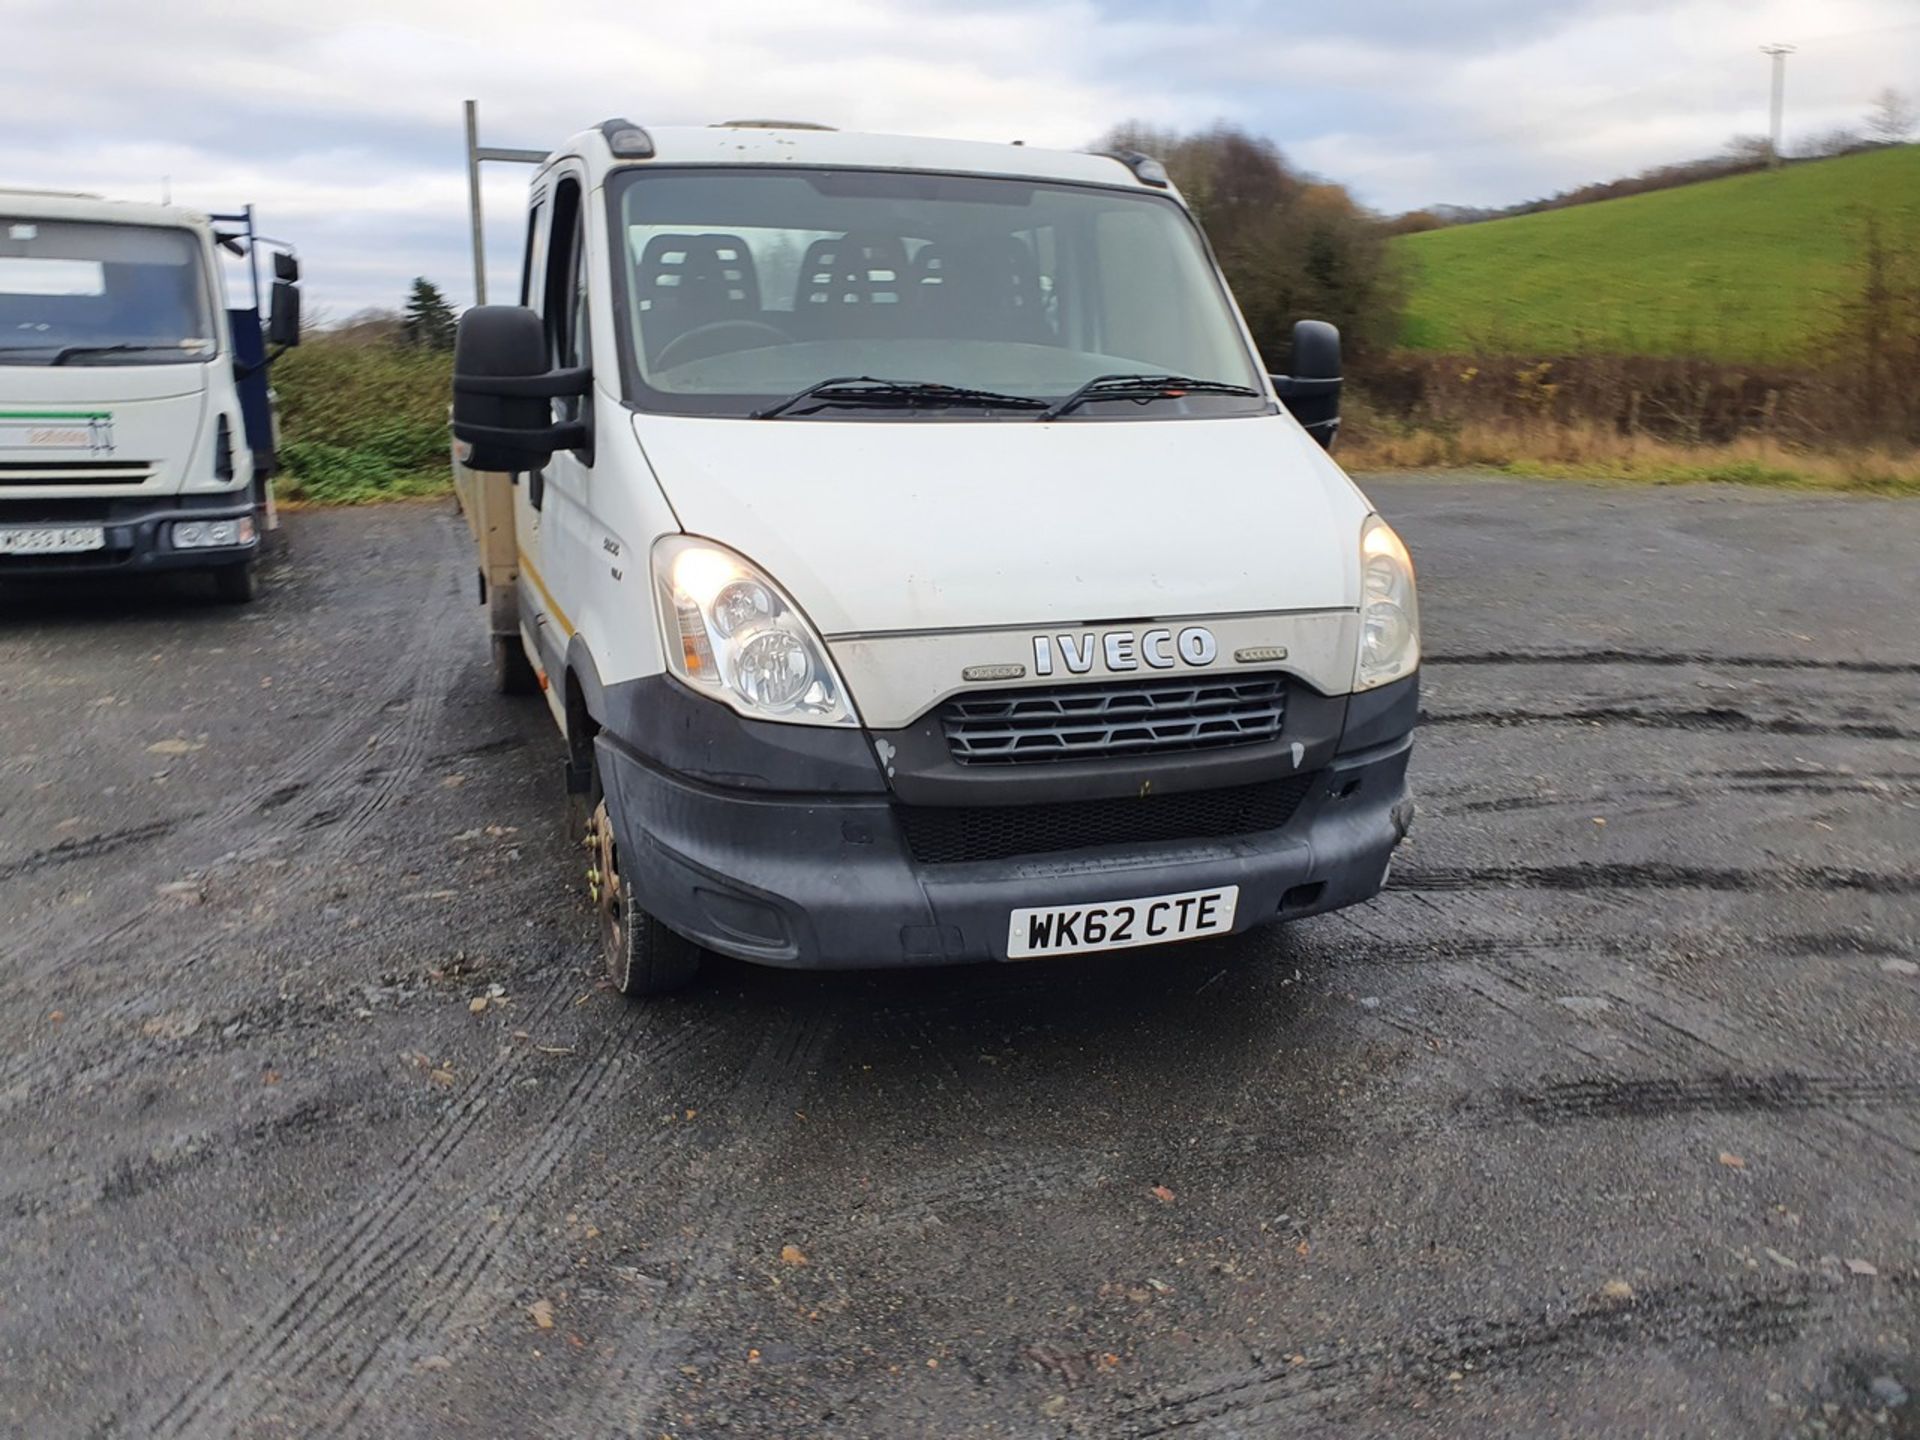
[(1292, 247), (361, 422)]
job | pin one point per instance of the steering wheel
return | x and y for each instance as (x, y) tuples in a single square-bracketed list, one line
[(688, 347)]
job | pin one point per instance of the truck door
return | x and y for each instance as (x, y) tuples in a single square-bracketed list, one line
[(563, 492)]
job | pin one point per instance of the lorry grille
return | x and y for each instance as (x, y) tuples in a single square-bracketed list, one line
[(954, 835), (1090, 722), (75, 472)]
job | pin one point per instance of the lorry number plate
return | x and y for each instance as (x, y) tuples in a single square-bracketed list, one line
[(1120, 924), (53, 540)]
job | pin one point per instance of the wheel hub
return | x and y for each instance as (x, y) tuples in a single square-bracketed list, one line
[(603, 884)]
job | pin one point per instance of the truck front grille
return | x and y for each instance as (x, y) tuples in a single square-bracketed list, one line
[(1091, 722), (955, 835), (75, 472)]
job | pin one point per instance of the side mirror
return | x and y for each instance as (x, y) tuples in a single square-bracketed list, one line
[(283, 323), (503, 391), (1312, 390), (286, 267)]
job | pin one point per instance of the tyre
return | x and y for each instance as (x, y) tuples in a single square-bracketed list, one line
[(235, 584), (513, 673), (643, 956)]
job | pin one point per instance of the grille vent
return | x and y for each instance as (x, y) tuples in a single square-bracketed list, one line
[(1090, 722)]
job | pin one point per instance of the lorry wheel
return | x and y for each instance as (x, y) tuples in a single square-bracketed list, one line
[(643, 956), (512, 671), (235, 584)]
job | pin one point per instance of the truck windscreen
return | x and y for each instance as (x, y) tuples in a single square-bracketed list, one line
[(738, 286), (82, 293)]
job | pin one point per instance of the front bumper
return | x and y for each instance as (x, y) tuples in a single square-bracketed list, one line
[(138, 534), (829, 881)]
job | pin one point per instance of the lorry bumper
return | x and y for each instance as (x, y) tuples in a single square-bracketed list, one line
[(139, 535), (834, 881)]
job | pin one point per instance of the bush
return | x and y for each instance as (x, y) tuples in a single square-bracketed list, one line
[(363, 422)]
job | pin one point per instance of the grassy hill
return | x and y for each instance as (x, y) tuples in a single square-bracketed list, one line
[(1745, 269)]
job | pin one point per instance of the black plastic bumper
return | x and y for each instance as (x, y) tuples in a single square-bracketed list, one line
[(138, 535), (827, 880)]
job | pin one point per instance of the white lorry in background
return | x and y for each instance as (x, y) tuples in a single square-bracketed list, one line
[(136, 423), (918, 560)]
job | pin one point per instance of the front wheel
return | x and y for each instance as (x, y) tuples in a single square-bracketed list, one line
[(235, 584), (643, 956)]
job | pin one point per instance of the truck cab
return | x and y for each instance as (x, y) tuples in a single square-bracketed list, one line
[(135, 419), (919, 560)]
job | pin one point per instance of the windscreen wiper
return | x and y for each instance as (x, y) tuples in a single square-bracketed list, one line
[(67, 352), (1142, 388), (903, 394)]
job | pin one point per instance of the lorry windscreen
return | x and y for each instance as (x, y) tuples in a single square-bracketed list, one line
[(737, 287), (85, 293)]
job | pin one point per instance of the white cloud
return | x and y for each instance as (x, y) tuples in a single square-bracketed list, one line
[(342, 123)]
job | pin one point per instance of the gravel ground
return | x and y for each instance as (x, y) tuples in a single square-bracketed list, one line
[(1603, 1120)]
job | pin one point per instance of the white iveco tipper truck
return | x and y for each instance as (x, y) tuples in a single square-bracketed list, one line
[(919, 560), (136, 429)]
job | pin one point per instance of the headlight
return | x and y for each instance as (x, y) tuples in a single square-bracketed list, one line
[(733, 634), (1389, 610)]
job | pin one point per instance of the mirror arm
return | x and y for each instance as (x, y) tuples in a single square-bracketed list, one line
[(554, 383), (1287, 387), (570, 435)]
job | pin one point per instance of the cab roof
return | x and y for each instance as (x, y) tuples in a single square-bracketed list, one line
[(775, 143), (56, 205)]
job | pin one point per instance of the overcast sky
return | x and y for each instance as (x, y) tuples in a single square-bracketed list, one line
[(341, 120)]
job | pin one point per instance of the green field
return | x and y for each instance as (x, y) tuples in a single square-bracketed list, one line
[(1746, 269)]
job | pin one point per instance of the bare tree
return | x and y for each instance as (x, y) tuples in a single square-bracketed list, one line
[(1891, 120), (1838, 141)]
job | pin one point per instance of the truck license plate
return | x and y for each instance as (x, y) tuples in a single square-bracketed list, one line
[(53, 540), (1120, 924)]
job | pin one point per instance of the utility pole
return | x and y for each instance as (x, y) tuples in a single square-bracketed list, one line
[(1779, 54), (473, 202), (476, 152)]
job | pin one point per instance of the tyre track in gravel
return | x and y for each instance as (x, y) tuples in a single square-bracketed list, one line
[(101, 1045), (939, 1194), (437, 651), (130, 1175), (365, 1255), (1668, 659), (1676, 1025), (1722, 1089), (440, 1257), (930, 1082), (433, 660), (447, 1320), (1342, 1374), (91, 847), (778, 1077), (1722, 718), (1564, 1102), (1432, 950), (403, 763), (467, 1246), (1779, 781), (1649, 875), (288, 799)]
